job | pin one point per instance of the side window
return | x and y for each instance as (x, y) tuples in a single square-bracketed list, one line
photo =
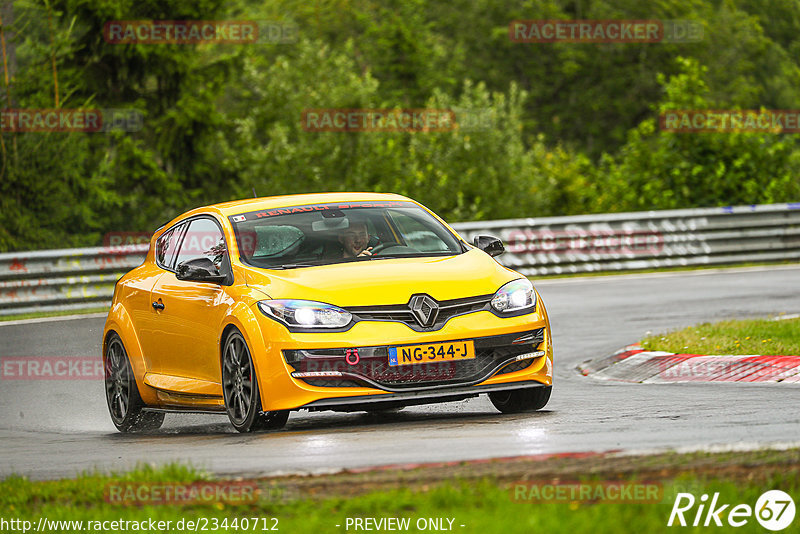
[(204, 239), (167, 246), (417, 235)]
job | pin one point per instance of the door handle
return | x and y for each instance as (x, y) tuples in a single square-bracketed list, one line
[(158, 306)]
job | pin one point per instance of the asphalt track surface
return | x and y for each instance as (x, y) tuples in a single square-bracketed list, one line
[(52, 429)]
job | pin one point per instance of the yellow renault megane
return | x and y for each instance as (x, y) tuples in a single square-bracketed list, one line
[(338, 301)]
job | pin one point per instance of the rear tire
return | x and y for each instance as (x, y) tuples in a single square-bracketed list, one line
[(240, 389), (521, 400), (124, 402)]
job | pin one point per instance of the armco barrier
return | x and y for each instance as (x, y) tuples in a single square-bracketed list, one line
[(63, 279), (646, 240), (83, 278)]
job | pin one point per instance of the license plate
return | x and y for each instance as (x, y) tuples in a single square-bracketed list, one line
[(431, 353)]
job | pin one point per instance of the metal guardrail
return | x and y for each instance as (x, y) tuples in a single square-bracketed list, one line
[(84, 278), (63, 279), (646, 240)]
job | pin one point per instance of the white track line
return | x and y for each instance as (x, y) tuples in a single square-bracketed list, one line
[(56, 318), (712, 448), (671, 274)]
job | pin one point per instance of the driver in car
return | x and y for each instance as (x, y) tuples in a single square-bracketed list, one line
[(354, 240)]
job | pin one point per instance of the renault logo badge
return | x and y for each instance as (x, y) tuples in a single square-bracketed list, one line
[(424, 308)]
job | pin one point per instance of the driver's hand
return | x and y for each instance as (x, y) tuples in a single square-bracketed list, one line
[(366, 252)]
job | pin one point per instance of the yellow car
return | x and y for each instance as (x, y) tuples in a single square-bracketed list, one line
[(336, 301)]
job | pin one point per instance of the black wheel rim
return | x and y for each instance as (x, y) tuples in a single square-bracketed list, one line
[(118, 392), (237, 379)]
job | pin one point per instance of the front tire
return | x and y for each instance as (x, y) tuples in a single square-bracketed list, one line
[(240, 389), (125, 404), (521, 400)]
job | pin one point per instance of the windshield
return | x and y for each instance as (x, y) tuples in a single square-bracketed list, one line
[(322, 234)]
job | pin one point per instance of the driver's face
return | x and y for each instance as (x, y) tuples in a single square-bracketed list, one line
[(354, 239)]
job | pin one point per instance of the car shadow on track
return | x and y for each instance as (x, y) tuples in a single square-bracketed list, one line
[(321, 422)]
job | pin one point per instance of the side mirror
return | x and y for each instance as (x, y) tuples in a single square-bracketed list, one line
[(199, 270), (490, 245)]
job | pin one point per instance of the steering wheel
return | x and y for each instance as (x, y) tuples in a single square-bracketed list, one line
[(383, 247), (377, 248)]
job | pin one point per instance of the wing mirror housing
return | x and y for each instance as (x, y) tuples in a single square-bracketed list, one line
[(199, 270), (490, 245)]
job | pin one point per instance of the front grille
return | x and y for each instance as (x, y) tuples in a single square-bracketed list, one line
[(332, 383), (493, 355), (402, 312), (515, 366)]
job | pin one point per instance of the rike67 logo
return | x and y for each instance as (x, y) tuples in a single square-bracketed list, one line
[(774, 510)]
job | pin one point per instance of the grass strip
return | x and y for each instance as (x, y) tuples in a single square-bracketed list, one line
[(479, 496), (754, 336)]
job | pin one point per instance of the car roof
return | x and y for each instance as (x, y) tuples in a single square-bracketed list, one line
[(235, 207), (251, 204)]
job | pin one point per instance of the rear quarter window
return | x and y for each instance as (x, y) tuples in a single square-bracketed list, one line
[(167, 247)]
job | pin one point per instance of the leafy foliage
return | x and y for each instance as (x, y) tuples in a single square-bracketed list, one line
[(565, 128)]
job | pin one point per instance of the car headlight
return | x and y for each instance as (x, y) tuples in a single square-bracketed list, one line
[(515, 296), (305, 313)]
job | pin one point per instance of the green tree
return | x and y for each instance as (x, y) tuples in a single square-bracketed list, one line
[(662, 170)]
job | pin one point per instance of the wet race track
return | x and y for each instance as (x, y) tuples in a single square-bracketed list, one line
[(55, 428)]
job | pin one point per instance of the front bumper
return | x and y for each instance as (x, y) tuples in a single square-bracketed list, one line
[(379, 402), (497, 371), (369, 366)]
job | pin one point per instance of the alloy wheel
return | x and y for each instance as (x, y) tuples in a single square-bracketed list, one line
[(237, 379), (118, 379)]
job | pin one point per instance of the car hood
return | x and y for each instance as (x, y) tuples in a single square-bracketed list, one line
[(386, 281)]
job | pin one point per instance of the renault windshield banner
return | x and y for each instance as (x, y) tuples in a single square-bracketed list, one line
[(308, 208)]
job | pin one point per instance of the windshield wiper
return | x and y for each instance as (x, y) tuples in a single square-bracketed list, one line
[(365, 258), (413, 255), (294, 265)]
